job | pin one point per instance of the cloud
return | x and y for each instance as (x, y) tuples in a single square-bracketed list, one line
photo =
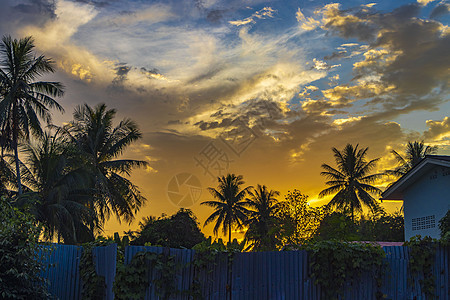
[(16, 14), (321, 65), (306, 23), (406, 58), (424, 2), (266, 12), (440, 10), (438, 132)]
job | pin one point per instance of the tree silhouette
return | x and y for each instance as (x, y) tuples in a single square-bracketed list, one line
[(24, 100), (56, 190), (101, 144), (351, 181), (261, 218), (414, 153), (230, 210)]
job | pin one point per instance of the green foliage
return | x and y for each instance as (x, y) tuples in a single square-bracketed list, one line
[(20, 266), (378, 226), (444, 225), (382, 227), (421, 261), (180, 230), (334, 263), (298, 221), (94, 286), (132, 280), (339, 226)]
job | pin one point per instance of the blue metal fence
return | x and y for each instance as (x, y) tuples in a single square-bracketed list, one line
[(248, 275)]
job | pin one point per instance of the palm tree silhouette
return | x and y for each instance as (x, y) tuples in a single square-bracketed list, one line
[(261, 218), (55, 190), (230, 210), (414, 153), (101, 144), (351, 181), (24, 100)]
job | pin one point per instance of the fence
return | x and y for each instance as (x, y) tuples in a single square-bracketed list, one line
[(248, 275)]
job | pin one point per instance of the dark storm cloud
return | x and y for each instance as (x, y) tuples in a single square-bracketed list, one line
[(96, 3), (208, 75), (336, 55), (14, 16), (408, 54), (122, 70), (216, 15), (213, 125)]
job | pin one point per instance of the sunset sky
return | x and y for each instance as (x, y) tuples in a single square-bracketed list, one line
[(259, 88)]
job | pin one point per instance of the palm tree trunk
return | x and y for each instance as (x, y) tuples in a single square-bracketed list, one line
[(229, 233), (16, 158), (353, 216), (15, 133)]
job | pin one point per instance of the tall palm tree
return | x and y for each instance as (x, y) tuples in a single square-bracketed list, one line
[(230, 210), (55, 189), (101, 145), (351, 180), (261, 217), (414, 153), (23, 99)]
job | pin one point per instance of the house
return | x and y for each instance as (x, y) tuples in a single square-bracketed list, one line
[(425, 191)]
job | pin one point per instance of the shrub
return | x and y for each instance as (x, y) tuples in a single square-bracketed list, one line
[(19, 264)]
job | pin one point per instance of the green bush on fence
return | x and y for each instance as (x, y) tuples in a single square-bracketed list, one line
[(20, 266)]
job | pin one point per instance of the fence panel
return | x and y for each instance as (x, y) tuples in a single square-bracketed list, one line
[(105, 265), (248, 275), (62, 270)]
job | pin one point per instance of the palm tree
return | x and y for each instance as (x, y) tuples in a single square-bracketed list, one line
[(414, 153), (101, 144), (351, 181), (55, 190), (229, 205), (7, 175), (261, 218), (24, 100)]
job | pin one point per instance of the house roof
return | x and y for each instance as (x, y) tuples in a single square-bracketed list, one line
[(395, 191)]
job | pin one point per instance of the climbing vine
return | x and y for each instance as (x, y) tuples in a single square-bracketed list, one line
[(94, 286), (206, 257), (422, 253), (132, 280), (334, 263)]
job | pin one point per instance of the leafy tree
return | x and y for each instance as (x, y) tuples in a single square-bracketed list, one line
[(180, 230), (24, 100), (57, 190), (351, 181), (101, 144), (262, 220), (230, 206), (378, 226), (20, 265), (444, 226), (337, 226), (298, 220), (414, 153), (382, 227)]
